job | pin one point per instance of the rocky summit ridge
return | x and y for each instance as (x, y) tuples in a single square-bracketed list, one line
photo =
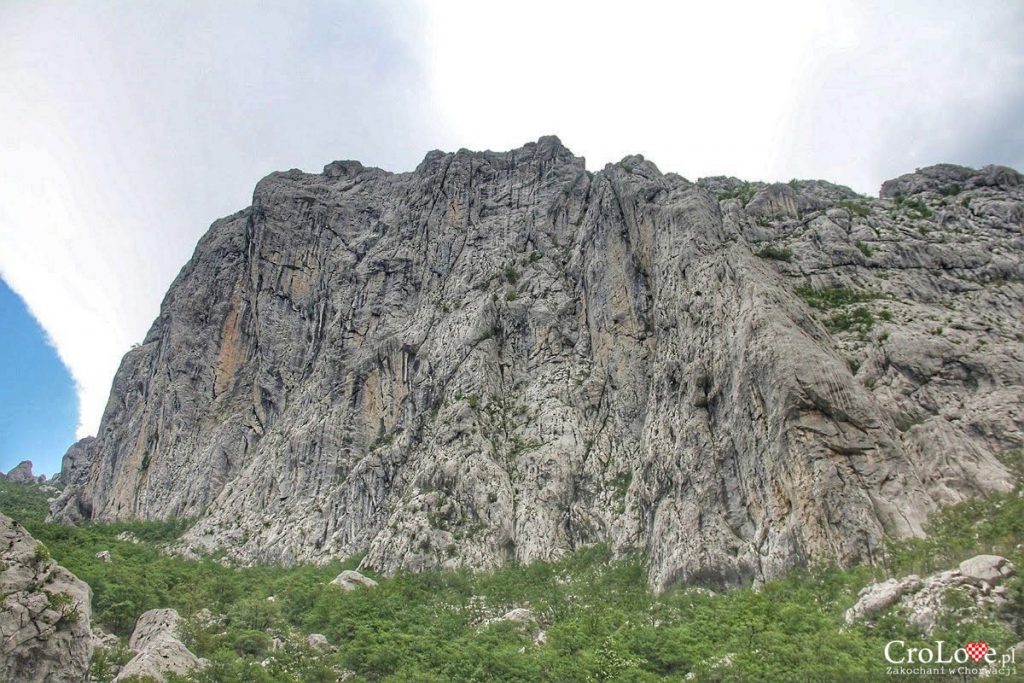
[(503, 357)]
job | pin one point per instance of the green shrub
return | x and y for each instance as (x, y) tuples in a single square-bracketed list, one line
[(835, 297), (856, 208), (864, 248), (776, 253), (744, 192)]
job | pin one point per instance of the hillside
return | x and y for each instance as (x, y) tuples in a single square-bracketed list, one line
[(590, 617)]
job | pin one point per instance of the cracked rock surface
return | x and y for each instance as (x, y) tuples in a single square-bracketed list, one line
[(504, 356), (45, 615)]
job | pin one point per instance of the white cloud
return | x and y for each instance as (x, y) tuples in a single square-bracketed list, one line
[(126, 128), (854, 92)]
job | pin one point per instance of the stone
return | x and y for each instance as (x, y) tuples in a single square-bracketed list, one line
[(45, 630), (128, 537), (318, 641), (503, 356), (158, 648), (349, 580), (922, 602), (987, 568), (103, 556), (520, 615), (879, 597), (22, 473)]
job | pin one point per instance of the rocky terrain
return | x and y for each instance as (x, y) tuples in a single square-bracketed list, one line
[(44, 620), (504, 356)]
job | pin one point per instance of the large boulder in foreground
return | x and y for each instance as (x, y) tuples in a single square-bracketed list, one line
[(45, 620), (158, 649)]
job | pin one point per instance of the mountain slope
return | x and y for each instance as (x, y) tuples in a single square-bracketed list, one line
[(503, 357)]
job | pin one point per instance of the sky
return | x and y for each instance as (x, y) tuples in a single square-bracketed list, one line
[(126, 128)]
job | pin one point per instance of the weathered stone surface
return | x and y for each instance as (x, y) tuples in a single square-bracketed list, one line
[(22, 473), (45, 617), (876, 598), (103, 556), (349, 580), (75, 465), (158, 649), (318, 641), (503, 356), (988, 568)]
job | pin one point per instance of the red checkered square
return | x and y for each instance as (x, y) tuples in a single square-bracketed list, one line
[(976, 650)]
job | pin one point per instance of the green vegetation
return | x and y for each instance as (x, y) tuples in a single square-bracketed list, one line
[(864, 248), (915, 208), (835, 297), (743, 192), (776, 253), (856, 208), (600, 621)]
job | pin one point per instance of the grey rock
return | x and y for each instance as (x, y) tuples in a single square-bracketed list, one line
[(45, 632), (103, 556), (520, 615), (503, 357), (318, 641), (22, 473), (988, 568), (128, 537), (877, 598), (158, 648), (922, 602), (349, 580)]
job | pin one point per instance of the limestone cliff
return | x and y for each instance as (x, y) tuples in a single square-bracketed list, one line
[(503, 356)]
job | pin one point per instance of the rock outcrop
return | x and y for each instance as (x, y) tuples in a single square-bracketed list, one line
[(45, 616), (22, 474), (349, 580), (504, 356), (921, 602), (158, 649)]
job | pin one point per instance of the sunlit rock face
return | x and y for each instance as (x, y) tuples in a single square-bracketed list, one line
[(503, 357)]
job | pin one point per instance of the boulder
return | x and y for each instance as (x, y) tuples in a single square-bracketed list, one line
[(103, 556), (519, 615), (158, 649), (318, 641), (987, 568), (878, 597), (349, 580)]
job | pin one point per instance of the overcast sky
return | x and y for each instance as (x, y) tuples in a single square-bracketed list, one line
[(127, 127)]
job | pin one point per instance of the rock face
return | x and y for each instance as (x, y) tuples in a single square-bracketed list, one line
[(503, 356), (158, 648), (74, 467), (22, 474), (45, 619)]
